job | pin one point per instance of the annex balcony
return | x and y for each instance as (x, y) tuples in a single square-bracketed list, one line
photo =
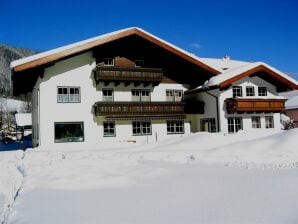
[(128, 75), (235, 105), (138, 108)]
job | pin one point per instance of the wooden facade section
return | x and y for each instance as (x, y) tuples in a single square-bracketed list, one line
[(234, 105), (138, 108), (128, 74)]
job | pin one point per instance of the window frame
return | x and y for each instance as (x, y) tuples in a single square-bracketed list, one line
[(106, 97), (256, 122), (68, 94), (173, 95), (250, 93), (107, 65), (70, 122), (234, 88), (139, 60), (270, 124), (175, 127), (211, 124), (141, 127), (109, 128), (140, 96), (260, 92), (235, 126)]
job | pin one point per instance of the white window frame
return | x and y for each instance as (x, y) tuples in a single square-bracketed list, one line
[(256, 122), (109, 130), (248, 89), (237, 91), (171, 95), (69, 97), (108, 61), (107, 98), (269, 122), (141, 128), (175, 127), (140, 95), (260, 91), (234, 124)]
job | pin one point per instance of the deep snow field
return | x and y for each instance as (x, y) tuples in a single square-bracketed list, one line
[(200, 178)]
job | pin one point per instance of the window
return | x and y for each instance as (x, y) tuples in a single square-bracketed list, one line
[(262, 91), (174, 95), (250, 91), (107, 95), (269, 123), (256, 122), (68, 95), (237, 91), (108, 62), (109, 129), (142, 95), (139, 63), (69, 132), (141, 128), (208, 124), (175, 127), (234, 124)]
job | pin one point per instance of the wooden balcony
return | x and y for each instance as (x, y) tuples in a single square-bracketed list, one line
[(138, 108), (238, 105), (127, 75)]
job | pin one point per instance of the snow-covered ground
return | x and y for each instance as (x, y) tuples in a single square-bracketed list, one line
[(200, 178)]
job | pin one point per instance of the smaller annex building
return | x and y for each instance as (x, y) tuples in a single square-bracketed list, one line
[(130, 85)]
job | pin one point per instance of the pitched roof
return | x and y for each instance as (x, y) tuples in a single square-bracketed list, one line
[(75, 48), (232, 71)]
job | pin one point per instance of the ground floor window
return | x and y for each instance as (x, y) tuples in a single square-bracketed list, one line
[(208, 124), (234, 124), (109, 129), (69, 132), (175, 127), (256, 122), (141, 127), (269, 122)]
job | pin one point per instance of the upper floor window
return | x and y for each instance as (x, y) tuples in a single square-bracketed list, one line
[(237, 91), (107, 95), (66, 94), (250, 91), (142, 95), (139, 63), (174, 95), (108, 61), (262, 91)]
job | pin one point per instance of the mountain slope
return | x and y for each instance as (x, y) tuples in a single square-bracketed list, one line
[(7, 55)]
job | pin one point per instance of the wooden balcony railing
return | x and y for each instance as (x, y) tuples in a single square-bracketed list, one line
[(138, 108), (128, 74), (235, 105)]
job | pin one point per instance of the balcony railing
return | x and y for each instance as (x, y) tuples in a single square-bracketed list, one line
[(128, 74), (235, 105), (138, 108)]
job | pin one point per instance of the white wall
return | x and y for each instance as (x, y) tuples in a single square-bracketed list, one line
[(77, 71)]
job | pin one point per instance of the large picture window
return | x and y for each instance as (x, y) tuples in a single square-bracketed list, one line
[(66, 94), (109, 129), (234, 124), (141, 128), (175, 127), (256, 122), (69, 132)]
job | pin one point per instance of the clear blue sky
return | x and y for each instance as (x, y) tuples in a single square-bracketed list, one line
[(252, 30)]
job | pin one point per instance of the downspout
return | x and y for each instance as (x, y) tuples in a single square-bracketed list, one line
[(217, 110)]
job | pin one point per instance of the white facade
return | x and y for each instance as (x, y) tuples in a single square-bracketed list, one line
[(209, 98), (77, 72)]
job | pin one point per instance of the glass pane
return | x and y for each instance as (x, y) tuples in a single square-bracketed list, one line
[(69, 132)]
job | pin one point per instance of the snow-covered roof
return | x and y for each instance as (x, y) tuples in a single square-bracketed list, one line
[(292, 96), (231, 69), (70, 49), (23, 119)]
